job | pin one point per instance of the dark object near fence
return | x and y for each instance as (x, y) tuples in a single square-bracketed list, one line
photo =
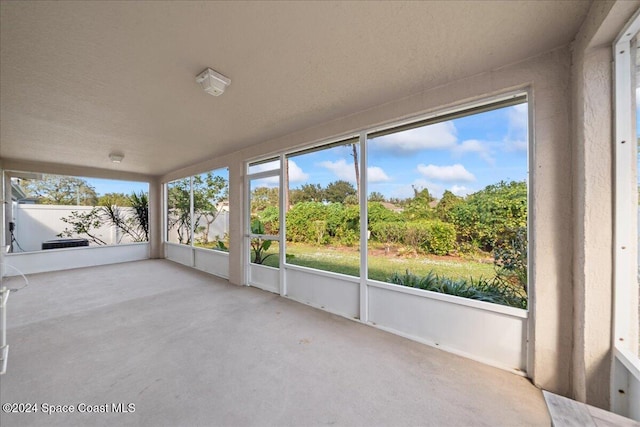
[(64, 243)]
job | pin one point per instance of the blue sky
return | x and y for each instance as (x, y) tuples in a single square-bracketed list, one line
[(462, 155), (103, 186)]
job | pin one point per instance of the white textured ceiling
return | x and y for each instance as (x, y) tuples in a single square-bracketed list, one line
[(81, 79)]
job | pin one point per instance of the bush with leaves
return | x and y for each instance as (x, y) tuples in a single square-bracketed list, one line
[(132, 222), (300, 219), (259, 245), (481, 289), (389, 233), (486, 217), (510, 259)]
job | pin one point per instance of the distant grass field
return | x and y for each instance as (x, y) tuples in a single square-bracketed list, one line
[(347, 261)]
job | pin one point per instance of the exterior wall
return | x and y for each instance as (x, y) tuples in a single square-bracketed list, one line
[(156, 212), (592, 164), (548, 77)]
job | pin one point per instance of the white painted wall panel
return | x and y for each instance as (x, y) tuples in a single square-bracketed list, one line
[(625, 393), (319, 290), (179, 253), (213, 262), (267, 278), (64, 259), (493, 337)]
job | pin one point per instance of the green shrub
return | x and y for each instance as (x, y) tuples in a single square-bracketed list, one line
[(417, 235), (433, 237), (489, 290), (442, 238), (300, 221), (389, 232)]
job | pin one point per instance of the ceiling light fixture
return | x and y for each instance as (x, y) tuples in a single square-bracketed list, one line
[(116, 158), (213, 82)]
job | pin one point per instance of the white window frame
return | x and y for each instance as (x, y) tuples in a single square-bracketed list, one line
[(625, 363)]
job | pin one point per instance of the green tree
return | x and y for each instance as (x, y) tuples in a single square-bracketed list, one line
[(60, 190), (446, 204), (132, 222), (420, 206), (261, 197), (338, 191), (114, 199), (307, 193), (491, 216), (179, 209), (376, 197), (209, 193)]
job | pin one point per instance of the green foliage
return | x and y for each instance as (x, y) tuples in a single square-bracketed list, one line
[(270, 217), (433, 237), (133, 222), (488, 290), (258, 245), (60, 190), (510, 259), (300, 218), (442, 238), (417, 236), (389, 233), (306, 193), (420, 206), (140, 204), (114, 199), (486, 217), (179, 207), (338, 191), (446, 204), (376, 197), (209, 193), (377, 213), (83, 224), (262, 197)]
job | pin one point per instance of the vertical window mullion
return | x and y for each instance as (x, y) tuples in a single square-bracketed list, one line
[(364, 230)]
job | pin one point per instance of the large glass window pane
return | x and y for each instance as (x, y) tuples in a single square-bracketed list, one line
[(56, 211), (447, 206), (211, 209), (179, 211), (323, 216), (264, 220)]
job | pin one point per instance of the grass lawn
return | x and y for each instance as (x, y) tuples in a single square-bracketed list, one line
[(347, 261)]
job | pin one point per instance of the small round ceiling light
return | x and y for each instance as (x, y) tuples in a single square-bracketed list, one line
[(116, 157)]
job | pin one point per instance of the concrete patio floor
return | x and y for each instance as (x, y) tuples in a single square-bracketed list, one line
[(188, 349)]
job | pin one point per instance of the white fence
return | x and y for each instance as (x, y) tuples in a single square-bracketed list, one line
[(35, 224), (217, 229)]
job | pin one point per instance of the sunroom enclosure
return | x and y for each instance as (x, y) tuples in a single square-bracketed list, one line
[(366, 250), (283, 250)]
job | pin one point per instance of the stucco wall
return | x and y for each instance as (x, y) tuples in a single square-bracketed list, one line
[(593, 169)]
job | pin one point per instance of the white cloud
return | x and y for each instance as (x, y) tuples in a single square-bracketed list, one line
[(406, 190), (376, 174), (262, 167), (460, 190), (482, 148), (341, 168), (296, 174), (438, 136), (517, 133), (454, 173)]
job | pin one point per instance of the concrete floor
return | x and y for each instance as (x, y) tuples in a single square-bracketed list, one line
[(188, 349)]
